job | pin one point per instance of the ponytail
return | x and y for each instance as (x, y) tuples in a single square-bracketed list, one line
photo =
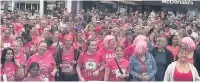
[(88, 43)]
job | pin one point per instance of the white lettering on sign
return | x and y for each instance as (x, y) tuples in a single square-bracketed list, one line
[(185, 2)]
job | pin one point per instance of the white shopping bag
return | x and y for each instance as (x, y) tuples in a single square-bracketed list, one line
[(46, 79)]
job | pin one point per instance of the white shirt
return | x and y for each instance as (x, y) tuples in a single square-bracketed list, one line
[(195, 35)]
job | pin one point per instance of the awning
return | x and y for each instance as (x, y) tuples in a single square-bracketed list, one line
[(107, 2), (131, 3)]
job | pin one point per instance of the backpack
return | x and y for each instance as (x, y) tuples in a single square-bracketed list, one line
[(58, 60)]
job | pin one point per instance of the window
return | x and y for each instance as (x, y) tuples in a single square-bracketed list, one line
[(22, 6), (28, 6), (35, 6)]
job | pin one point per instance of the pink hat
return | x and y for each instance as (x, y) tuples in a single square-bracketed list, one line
[(98, 29)]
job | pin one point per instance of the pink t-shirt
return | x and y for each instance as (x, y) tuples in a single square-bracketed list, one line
[(9, 69), (90, 63), (100, 44), (27, 45), (173, 50), (32, 79), (7, 42), (76, 46), (114, 71), (128, 52), (52, 50), (18, 27), (20, 58), (107, 54), (67, 65), (38, 40), (46, 63)]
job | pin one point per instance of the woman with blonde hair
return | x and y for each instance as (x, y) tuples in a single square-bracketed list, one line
[(109, 44), (142, 64), (119, 65), (181, 70), (162, 56)]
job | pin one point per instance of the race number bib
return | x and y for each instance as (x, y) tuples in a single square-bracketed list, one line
[(6, 45), (117, 72), (91, 65), (68, 68)]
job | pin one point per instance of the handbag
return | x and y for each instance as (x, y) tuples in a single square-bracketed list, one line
[(120, 70), (58, 59)]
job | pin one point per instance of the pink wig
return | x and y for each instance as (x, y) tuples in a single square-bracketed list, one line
[(188, 43), (141, 48), (107, 39), (139, 38)]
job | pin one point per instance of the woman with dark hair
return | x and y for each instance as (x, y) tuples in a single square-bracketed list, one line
[(129, 38), (54, 28), (33, 73), (173, 45), (12, 29), (8, 65), (90, 63), (57, 38), (152, 38), (117, 64), (79, 42)]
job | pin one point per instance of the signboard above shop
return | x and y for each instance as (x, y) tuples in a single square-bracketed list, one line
[(184, 2)]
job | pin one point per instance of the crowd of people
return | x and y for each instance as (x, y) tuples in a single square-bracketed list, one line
[(100, 46)]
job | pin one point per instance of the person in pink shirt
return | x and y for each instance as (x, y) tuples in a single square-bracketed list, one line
[(80, 42), (7, 39), (109, 44), (69, 58), (129, 38), (112, 71), (46, 62), (90, 63), (57, 38), (45, 34), (34, 33), (19, 39), (20, 59), (128, 52), (12, 29), (33, 73), (51, 49), (173, 45), (8, 65)]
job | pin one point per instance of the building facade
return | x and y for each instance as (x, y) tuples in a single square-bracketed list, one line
[(112, 6)]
